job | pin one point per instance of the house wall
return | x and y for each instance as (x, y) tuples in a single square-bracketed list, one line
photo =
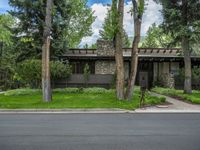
[(106, 48), (109, 67), (104, 67)]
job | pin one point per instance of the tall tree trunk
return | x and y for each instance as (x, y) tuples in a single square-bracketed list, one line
[(186, 51), (46, 82), (134, 53), (119, 53), (188, 69), (134, 60)]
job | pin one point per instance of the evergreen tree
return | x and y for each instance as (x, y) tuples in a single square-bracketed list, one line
[(181, 19), (71, 21), (156, 38), (110, 26)]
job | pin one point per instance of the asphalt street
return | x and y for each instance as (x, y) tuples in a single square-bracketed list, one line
[(100, 131)]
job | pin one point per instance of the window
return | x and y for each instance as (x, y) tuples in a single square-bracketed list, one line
[(78, 67)]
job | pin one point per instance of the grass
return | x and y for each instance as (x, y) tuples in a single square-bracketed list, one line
[(71, 98), (193, 98)]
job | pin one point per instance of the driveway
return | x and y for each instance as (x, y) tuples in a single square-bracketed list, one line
[(100, 132)]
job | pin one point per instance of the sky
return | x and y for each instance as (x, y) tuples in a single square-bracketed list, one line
[(100, 8)]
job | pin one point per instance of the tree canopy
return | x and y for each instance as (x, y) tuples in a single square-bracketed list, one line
[(71, 21), (181, 19), (156, 38), (110, 26), (181, 23)]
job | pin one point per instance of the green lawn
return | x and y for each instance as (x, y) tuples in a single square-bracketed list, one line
[(71, 98), (194, 97)]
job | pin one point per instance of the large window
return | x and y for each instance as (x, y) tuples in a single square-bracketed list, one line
[(78, 66)]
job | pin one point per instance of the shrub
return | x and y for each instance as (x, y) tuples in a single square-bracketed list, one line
[(97, 90), (17, 92), (86, 73), (30, 71), (68, 90)]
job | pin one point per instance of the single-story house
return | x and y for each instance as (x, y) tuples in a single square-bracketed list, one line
[(160, 65)]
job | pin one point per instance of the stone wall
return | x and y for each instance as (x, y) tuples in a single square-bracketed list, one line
[(109, 67), (104, 67), (105, 48)]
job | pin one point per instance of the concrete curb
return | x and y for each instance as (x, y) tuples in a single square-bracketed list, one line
[(90, 111), (62, 111)]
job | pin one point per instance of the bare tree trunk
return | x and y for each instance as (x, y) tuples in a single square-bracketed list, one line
[(46, 82), (134, 59), (119, 53), (186, 51), (188, 68)]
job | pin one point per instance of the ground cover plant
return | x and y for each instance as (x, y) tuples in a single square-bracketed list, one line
[(193, 98), (72, 98)]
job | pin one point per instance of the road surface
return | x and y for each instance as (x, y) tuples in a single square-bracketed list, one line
[(99, 131)]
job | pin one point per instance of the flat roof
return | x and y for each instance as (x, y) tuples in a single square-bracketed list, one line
[(143, 52)]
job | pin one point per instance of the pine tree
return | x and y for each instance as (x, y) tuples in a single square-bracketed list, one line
[(181, 19), (71, 21)]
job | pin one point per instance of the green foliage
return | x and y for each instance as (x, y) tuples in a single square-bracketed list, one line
[(180, 24), (86, 72), (6, 22), (60, 70), (30, 71), (110, 26), (195, 74), (156, 38), (69, 90), (141, 5), (26, 91), (71, 21), (93, 46), (97, 90), (7, 56)]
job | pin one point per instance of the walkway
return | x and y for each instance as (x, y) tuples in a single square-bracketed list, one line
[(175, 106)]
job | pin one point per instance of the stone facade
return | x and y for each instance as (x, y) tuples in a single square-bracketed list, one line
[(109, 67), (105, 48), (104, 67)]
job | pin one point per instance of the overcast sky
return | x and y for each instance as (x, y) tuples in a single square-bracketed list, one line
[(151, 15)]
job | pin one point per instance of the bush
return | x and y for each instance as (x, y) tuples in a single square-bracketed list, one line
[(17, 92), (30, 71), (68, 90), (86, 74), (97, 90)]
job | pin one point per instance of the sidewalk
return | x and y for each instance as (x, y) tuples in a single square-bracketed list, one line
[(175, 106)]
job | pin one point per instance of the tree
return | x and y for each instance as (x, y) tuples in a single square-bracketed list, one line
[(46, 81), (181, 18), (156, 38), (118, 50), (110, 26), (7, 56), (138, 10), (71, 21)]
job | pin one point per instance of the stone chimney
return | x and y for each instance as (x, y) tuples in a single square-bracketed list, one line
[(105, 48)]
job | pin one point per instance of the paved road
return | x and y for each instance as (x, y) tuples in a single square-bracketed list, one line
[(100, 132)]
